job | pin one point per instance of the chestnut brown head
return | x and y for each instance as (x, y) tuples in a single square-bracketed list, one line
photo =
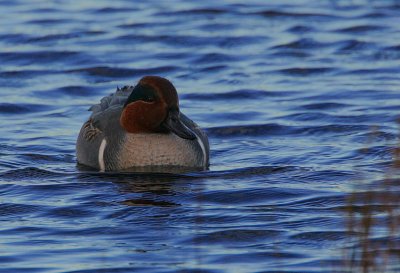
[(153, 107)]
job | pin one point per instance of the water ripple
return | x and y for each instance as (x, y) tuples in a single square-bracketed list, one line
[(237, 236), (250, 130), (301, 44), (302, 71), (298, 15), (361, 29), (113, 72), (234, 95), (10, 108)]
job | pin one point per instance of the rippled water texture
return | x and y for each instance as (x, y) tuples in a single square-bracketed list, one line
[(299, 99)]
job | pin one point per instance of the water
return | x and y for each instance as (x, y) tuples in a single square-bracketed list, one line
[(299, 99)]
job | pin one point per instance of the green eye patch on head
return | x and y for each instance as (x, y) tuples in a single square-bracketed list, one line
[(143, 93)]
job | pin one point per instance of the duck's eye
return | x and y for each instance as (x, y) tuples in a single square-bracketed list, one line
[(149, 98)]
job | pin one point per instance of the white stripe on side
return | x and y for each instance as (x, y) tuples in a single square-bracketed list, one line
[(201, 144), (203, 149), (204, 152), (101, 155)]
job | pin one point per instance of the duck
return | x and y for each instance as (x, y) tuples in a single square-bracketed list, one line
[(139, 126)]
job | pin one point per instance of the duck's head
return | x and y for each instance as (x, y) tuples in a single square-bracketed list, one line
[(153, 107)]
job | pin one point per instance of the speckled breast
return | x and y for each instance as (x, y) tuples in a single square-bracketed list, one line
[(156, 150)]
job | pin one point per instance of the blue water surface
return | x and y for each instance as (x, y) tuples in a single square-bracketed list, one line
[(299, 99)]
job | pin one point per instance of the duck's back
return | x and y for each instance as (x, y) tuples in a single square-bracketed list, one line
[(102, 129)]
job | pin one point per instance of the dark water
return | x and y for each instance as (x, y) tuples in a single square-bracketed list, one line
[(300, 101)]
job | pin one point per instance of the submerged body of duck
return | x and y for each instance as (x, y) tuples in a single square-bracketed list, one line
[(141, 126)]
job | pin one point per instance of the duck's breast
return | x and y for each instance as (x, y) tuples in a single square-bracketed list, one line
[(159, 150)]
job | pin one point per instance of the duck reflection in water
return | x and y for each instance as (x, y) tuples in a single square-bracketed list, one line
[(150, 185)]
